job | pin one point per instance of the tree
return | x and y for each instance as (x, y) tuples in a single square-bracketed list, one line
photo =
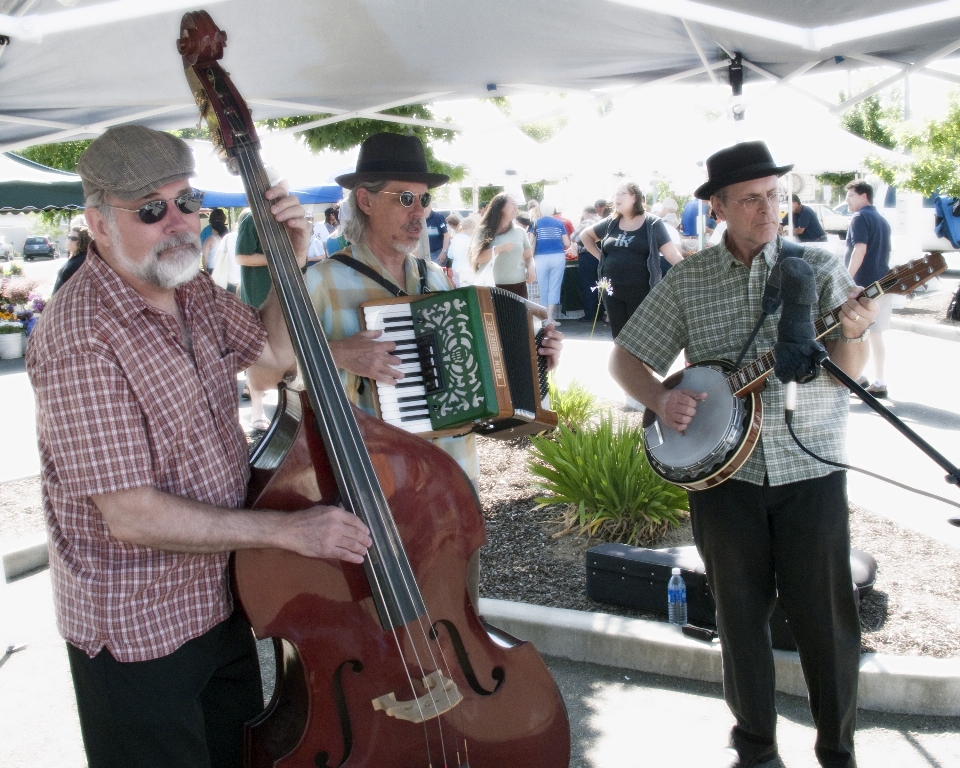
[(870, 120), (935, 150), (63, 156), (348, 134)]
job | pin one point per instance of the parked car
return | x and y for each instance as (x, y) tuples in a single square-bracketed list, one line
[(6, 250), (39, 246), (835, 220)]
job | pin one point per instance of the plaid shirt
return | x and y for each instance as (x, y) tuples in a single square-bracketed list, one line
[(120, 405), (707, 305), (337, 291)]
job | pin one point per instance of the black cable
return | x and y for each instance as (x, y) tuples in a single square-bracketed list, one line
[(789, 420)]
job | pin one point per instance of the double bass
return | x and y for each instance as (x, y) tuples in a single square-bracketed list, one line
[(385, 664)]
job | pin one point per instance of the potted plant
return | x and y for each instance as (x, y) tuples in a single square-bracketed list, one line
[(11, 339)]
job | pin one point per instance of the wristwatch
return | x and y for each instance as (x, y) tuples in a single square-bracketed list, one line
[(856, 340)]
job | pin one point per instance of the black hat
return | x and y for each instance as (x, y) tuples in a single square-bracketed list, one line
[(392, 157), (741, 162)]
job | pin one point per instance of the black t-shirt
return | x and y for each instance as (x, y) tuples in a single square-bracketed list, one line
[(625, 253)]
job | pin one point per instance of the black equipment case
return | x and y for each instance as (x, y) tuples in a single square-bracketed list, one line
[(637, 578)]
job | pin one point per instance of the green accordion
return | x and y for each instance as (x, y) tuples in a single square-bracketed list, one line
[(470, 363)]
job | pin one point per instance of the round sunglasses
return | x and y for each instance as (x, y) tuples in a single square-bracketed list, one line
[(155, 210), (407, 198)]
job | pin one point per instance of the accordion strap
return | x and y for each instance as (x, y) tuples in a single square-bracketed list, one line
[(347, 260)]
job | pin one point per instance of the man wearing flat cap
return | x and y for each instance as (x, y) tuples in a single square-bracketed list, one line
[(780, 525), (145, 468), (389, 193)]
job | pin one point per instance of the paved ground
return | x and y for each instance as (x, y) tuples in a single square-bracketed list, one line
[(618, 718)]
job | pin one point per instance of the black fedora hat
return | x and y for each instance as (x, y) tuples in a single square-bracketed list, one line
[(392, 157), (741, 162)]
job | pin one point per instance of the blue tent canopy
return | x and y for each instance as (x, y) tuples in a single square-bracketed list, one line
[(328, 193)]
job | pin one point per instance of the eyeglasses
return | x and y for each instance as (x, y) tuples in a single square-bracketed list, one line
[(155, 210), (72, 237), (756, 203), (407, 198)]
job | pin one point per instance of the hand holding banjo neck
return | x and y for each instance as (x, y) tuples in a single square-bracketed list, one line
[(387, 664)]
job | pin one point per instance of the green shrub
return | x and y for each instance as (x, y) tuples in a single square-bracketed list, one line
[(574, 405), (602, 476)]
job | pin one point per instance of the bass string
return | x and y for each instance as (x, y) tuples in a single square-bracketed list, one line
[(251, 163)]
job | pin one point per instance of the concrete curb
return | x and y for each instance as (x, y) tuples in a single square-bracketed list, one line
[(25, 555), (900, 684), (936, 330)]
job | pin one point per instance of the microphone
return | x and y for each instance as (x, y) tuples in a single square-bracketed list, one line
[(797, 350)]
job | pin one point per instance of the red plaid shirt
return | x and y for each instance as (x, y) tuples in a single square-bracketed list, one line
[(120, 405)]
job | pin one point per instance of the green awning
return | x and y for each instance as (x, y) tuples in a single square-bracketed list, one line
[(29, 186)]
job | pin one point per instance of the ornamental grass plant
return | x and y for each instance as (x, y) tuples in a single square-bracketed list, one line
[(574, 406), (601, 477)]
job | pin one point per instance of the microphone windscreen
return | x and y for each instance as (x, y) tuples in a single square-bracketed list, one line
[(796, 335)]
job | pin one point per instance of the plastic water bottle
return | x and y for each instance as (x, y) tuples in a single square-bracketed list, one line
[(677, 599)]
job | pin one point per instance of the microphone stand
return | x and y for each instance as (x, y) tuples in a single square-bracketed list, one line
[(953, 474)]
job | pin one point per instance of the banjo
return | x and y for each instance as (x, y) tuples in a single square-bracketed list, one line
[(727, 424)]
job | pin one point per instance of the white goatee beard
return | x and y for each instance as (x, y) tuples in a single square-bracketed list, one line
[(174, 270)]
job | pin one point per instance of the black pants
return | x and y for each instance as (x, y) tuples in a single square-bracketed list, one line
[(588, 272), (623, 303), (185, 710), (756, 541)]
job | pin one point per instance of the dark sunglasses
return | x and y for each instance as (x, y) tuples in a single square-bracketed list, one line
[(407, 198), (155, 210), (72, 237)]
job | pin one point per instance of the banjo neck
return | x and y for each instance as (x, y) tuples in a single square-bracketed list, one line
[(900, 280)]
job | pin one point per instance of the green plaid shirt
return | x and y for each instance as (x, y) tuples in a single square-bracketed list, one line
[(707, 305), (337, 291)]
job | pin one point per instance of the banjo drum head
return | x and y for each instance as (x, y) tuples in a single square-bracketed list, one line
[(709, 429)]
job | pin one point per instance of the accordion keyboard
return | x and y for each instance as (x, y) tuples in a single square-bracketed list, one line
[(405, 404)]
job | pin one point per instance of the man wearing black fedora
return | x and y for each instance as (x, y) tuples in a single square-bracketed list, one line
[(780, 526), (389, 193)]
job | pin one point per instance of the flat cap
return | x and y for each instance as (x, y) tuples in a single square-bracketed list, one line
[(131, 161)]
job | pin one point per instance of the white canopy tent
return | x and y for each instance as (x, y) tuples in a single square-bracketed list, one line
[(71, 68)]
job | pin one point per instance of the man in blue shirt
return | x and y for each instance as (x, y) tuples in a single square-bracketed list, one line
[(868, 259), (438, 235), (688, 219), (806, 225)]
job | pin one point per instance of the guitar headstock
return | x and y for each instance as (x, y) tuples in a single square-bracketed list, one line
[(908, 277), (201, 45)]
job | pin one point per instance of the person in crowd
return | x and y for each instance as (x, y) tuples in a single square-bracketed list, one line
[(550, 244), (498, 237), (438, 236), (145, 467), (602, 208), (329, 224), (588, 267), (780, 525), (868, 259), (533, 211), (806, 225), (389, 194), (218, 228), (524, 222), (208, 229), (690, 217), (78, 241), (628, 245), (458, 257)]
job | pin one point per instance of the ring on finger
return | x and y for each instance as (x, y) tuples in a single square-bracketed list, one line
[(856, 318)]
